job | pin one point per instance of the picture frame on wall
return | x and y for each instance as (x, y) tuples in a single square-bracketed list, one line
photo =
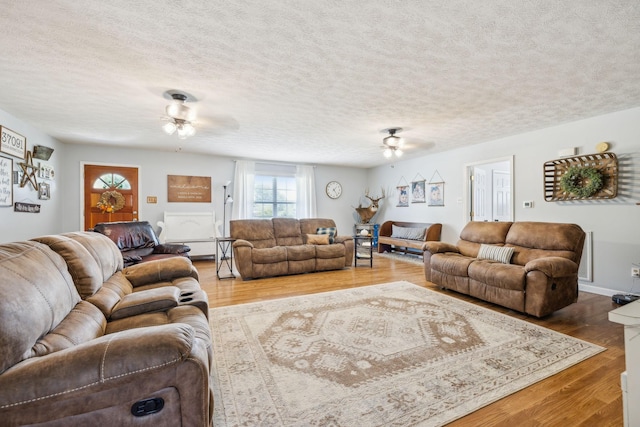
[(436, 194), (44, 191), (418, 192), (12, 143), (6, 181), (403, 196)]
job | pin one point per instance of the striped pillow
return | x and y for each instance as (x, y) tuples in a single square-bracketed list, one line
[(331, 231), (501, 254)]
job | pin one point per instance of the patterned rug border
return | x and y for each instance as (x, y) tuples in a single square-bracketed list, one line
[(468, 406), (411, 259)]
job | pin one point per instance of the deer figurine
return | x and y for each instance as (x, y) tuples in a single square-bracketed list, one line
[(366, 214)]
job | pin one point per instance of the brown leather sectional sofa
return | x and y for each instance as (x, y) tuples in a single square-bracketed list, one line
[(279, 246), (85, 342), (538, 278)]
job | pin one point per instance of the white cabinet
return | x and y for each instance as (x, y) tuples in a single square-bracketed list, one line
[(629, 316)]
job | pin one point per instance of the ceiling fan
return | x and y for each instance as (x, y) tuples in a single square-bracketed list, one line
[(392, 144), (180, 118)]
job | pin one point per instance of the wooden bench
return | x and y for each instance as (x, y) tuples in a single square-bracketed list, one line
[(199, 230), (388, 241)]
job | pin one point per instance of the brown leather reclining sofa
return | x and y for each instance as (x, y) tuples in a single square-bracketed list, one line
[(539, 277), (85, 342), (280, 246)]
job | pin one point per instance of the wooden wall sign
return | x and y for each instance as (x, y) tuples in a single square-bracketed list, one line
[(12, 143), (26, 207), (6, 182), (181, 188)]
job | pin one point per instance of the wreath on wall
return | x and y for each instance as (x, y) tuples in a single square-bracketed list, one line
[(110, 201), (582, 181)]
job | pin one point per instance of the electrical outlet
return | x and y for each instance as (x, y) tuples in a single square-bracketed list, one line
[(635, 272)]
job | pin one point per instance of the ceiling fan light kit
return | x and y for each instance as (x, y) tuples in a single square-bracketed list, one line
[(180, 117), (392, 143)]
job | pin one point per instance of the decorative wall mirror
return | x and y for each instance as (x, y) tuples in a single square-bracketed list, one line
[(489, 193)]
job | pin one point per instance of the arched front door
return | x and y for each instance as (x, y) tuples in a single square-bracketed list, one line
[(110, 194)]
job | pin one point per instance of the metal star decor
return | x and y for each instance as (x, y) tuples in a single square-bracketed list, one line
[(27, 175)]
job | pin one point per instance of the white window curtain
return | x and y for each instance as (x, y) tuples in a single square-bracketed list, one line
[(306, 192), (243, 185)]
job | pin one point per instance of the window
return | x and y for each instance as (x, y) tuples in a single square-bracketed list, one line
[(274, 197), (112, 180)]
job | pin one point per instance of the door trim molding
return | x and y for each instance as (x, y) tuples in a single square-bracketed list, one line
[(466, 173)]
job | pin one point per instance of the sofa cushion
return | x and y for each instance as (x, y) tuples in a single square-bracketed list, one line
[(505, 276), (287, 231), (257, 231), (318, 239), (541, 239), (300, 252), (330, 251), (311, 225), (84, 323), (33, 301), (451, 263), (330, 231), (501, 254), (269, 255), (409, 233)]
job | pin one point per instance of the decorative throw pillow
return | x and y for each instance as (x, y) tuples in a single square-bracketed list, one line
[(331, 231), (502, 254), (317, 239), (409, 233)]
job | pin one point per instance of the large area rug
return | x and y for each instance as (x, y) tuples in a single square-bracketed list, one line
[(394, 354)]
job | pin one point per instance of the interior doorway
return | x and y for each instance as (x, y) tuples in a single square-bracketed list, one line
[(110, 194), (490, 190)]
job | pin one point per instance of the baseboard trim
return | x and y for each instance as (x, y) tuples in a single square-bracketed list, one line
[(597, 290)]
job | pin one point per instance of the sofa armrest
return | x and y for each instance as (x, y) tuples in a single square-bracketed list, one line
[(103, 363), (439, 247), (147, 301), (242, 243), (342, 239), (171, 248), (552, 266), (160, 270)]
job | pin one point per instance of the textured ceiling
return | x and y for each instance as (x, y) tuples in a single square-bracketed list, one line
[(316, 81)]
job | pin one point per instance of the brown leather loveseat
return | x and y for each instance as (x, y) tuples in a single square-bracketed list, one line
[(281, 246), (85, 342), (531, 267), (138, 242)]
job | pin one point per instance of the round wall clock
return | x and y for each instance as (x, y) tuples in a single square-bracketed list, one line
[(334, 189)]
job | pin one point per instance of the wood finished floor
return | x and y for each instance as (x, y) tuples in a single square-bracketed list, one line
[(587, 394)]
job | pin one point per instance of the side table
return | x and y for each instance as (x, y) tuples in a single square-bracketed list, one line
[(224, 256), (362, 248)]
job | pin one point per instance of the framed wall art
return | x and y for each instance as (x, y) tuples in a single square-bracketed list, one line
[(418, 191), (44, 191), (436, 194), (403, 196), (6, 182), (12, 143)]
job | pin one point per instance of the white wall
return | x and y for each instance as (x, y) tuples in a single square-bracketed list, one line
[(615, 223), (17, 225), (156, 165)]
